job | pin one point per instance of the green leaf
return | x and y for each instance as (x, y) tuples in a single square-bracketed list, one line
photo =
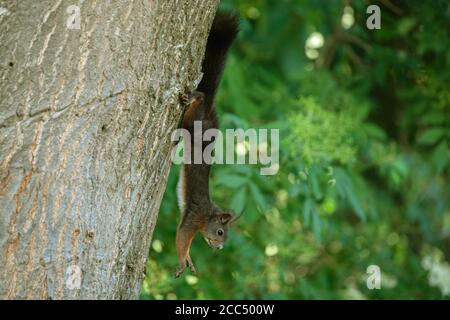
[(315, 185), (317, 224), (345, 188), (440, 157), (307, 211), (232, 181), (239, 200), (355, 204), (343, 182), (405, 25), (431, 136), (257, 196), (374, 131)]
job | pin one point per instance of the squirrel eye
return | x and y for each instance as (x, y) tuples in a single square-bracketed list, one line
[(219, 232)]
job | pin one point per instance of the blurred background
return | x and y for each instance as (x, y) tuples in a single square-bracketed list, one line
[(364, 119)]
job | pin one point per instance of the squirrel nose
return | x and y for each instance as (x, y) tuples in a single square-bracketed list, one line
[(220, 246)]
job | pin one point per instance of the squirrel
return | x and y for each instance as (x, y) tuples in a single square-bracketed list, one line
[(198, 212)]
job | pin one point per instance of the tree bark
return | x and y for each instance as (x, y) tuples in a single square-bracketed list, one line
[(85, 122)]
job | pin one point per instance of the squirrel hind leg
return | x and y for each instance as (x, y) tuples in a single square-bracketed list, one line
[(180, 270), (190, 264), (182, 266), (185, 234)]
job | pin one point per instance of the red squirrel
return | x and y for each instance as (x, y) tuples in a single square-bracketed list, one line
[(198, 211)]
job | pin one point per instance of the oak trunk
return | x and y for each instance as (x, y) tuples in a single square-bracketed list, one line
[(86, 116)]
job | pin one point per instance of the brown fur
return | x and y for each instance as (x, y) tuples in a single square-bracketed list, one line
[(198, 212)]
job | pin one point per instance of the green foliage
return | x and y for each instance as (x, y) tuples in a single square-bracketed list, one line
[(321, 135), (364, 159)]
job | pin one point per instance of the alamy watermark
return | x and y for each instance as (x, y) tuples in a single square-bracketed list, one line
[(374, 20), (374, 278), (74, 19), (210, 147), (73, 277)]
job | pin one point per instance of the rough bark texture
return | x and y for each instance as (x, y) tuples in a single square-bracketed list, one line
[(85, 123)]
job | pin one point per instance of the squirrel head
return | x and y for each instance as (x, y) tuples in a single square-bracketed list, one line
[(216, 229)]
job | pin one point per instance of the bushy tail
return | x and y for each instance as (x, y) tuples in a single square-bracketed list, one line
[(223, 31)]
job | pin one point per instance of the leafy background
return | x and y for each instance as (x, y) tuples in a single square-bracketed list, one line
[(364, 119)]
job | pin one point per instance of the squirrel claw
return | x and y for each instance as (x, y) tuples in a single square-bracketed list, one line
[(185, 98), (180, 269), (191, 97), (178, 272), (190, 265)]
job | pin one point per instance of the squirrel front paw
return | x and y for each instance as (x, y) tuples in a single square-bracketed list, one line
[(185, 98), (192, 97)]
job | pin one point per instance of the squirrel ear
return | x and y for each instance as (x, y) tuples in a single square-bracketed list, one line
[(225, 218)]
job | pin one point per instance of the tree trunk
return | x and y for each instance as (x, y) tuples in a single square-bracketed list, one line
[(85, 122)]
